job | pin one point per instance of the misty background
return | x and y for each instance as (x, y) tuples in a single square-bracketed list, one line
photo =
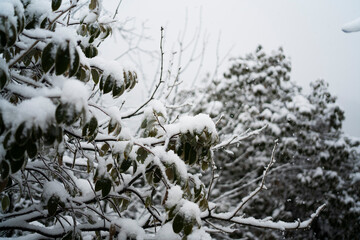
[(309, 32)]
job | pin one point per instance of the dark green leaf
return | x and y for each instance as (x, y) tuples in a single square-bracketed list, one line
[(62, 60), (52, 205), (4, 169), (4, 183), (157, 175), (112, 125), (55, 4), (148, 202), (17, 152), (141, 154), (93, 4), (91, 51), (192, 156), (16, 165), (104, 149), (75, 63), (106, 187), (118, 90), (187, 148), (85, 130), (204, 165), (47, 57), (93, 124), (21, 134), (12, 35), (60, 113), (5, 203), (98, 185), (203, 204), (149, 177), (3, 38), (4, 78), (134, 166), (59, 134), (31, 149), (125, 204), (170, 173), (36, 133), (95, 75), (125, 165), (7, 140), (178, 223), (68, 236), (102, 81), (188, 226), (50, 135), (44, 23), (144, 123), (197, 191), (2, 125), (109, 84), (126, 79)]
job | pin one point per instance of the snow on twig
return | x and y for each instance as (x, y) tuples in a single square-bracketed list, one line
[(238, 138)]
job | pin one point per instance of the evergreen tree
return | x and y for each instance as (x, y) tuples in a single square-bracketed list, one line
[(315, 161)]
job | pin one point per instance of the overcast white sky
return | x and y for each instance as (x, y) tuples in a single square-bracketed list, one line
[(309, 31)]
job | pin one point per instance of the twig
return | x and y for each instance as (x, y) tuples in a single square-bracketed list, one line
[(262, 184), (160, 78), (117, 9)]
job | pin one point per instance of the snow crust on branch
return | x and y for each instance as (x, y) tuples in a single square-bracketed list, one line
[(353, 26)]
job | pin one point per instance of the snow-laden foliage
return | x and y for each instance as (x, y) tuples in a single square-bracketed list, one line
[(315, 161), (70, 167)]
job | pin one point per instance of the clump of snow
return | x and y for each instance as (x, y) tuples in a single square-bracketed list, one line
[(7, 10), (191, 211), (169, 157), (266, 114), (38, 8), (54, 188), (275, 129), (157, 107), (76, 93), (130, 229), (301, 104), (194, 125), (38, 111), (65, 33), (90, 17), (174, 196), (318, 172), (199, 234), (113, 68), (355, 177), (166, 233), (290, 117), (214, 108), (353, 26), (119, 146), (259, 88), (253, 110)]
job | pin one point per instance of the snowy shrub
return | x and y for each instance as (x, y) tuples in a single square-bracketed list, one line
[(70, 165)]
